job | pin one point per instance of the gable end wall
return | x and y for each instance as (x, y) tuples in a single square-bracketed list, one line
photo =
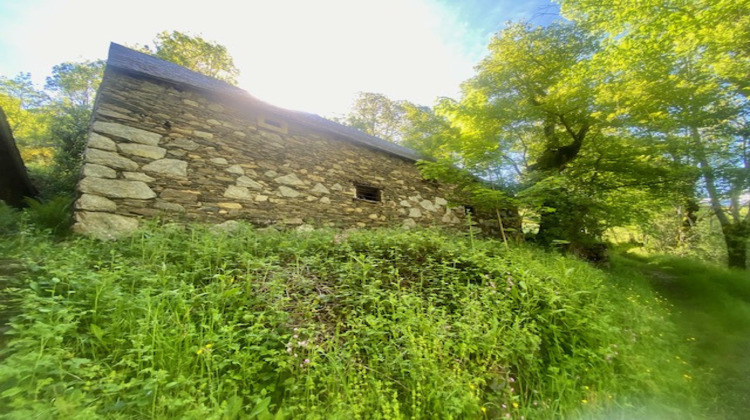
[(155, 149)]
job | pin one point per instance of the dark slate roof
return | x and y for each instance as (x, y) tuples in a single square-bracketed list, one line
[(129, 60)]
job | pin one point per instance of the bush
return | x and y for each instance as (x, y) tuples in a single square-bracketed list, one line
[(54, 215), (185, 322)]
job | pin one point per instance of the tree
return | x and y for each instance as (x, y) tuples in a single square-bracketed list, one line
[(680, 70), (377, 115), (195, 53), (76, 83), (24, 106)]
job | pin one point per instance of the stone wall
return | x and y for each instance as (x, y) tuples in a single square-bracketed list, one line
[(158, 149)]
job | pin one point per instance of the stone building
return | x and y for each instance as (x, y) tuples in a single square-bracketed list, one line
[(168, 142)]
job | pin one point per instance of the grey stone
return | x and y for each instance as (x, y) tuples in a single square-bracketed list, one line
[(189, 102), (183, 143), (172, 168), (239, 193), (203, 135), (95, 203), (142, 150), (439, 201), (235, 169), (98, 141), (325, 200), (230, 226), (288, 192), (320, 188), (404, 203), (337, 187), (270, 174), (116, 188), (414, 212), (133, 134), (409, 223), (137, 176), (98, 171), (290, 179), (305, 228), (104, 225), (219, 161), (245, 181), (427, 205), (110, 159), (114, 114), (167, 206), (261, 198)]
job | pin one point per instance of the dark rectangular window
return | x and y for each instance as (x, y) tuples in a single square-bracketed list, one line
[(368, 193)]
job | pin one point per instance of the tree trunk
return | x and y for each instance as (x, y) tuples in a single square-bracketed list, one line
[(736, 236)]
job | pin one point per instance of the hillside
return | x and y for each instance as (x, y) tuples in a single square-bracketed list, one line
[(190, 322)]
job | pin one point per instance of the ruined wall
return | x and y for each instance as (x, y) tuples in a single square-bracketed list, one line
[(157, 149)]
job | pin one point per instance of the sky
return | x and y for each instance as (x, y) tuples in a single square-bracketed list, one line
[(310, 55)]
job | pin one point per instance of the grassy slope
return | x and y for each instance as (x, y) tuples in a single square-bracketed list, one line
[(191, 323), (712, 310)]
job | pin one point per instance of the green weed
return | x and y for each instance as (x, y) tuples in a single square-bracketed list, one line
[(187, 322)]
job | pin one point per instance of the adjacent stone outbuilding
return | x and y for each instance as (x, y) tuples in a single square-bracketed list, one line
[(169, 142)]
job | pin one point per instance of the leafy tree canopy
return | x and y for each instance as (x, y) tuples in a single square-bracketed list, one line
[(195, 53)]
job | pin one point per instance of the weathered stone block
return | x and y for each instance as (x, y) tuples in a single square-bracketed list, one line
[(167, 206), (104, 225), (290, 179), (183, 143), (142, 150), (130, 133), (288, 192), (110, 159), (245, 181), (235, 169), (172, 168), (240, 193), (95, 203), (116, 188), (219, 161), (203, 135), (414, 212), (98, 171), (320, 188), (98, 141)]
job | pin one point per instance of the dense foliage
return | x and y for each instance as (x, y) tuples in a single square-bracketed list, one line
[(195, 322)]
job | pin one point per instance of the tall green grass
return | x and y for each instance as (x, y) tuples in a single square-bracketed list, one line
[(712, 311), (186, 322)]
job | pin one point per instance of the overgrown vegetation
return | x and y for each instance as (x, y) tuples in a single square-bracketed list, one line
[(187, 322)]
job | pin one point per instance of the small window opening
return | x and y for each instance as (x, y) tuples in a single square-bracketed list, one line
[(469, 210), (368, 193)]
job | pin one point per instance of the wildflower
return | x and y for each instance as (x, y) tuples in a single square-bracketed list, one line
[(688, 377), (584, 401), (484, 409), (307, 361), (512, 379), (515, 405), (200, 351), (504, 406)]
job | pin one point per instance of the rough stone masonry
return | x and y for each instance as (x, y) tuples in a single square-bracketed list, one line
[(167, 142)]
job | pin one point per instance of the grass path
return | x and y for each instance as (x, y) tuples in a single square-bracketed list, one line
[(711, 309)]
